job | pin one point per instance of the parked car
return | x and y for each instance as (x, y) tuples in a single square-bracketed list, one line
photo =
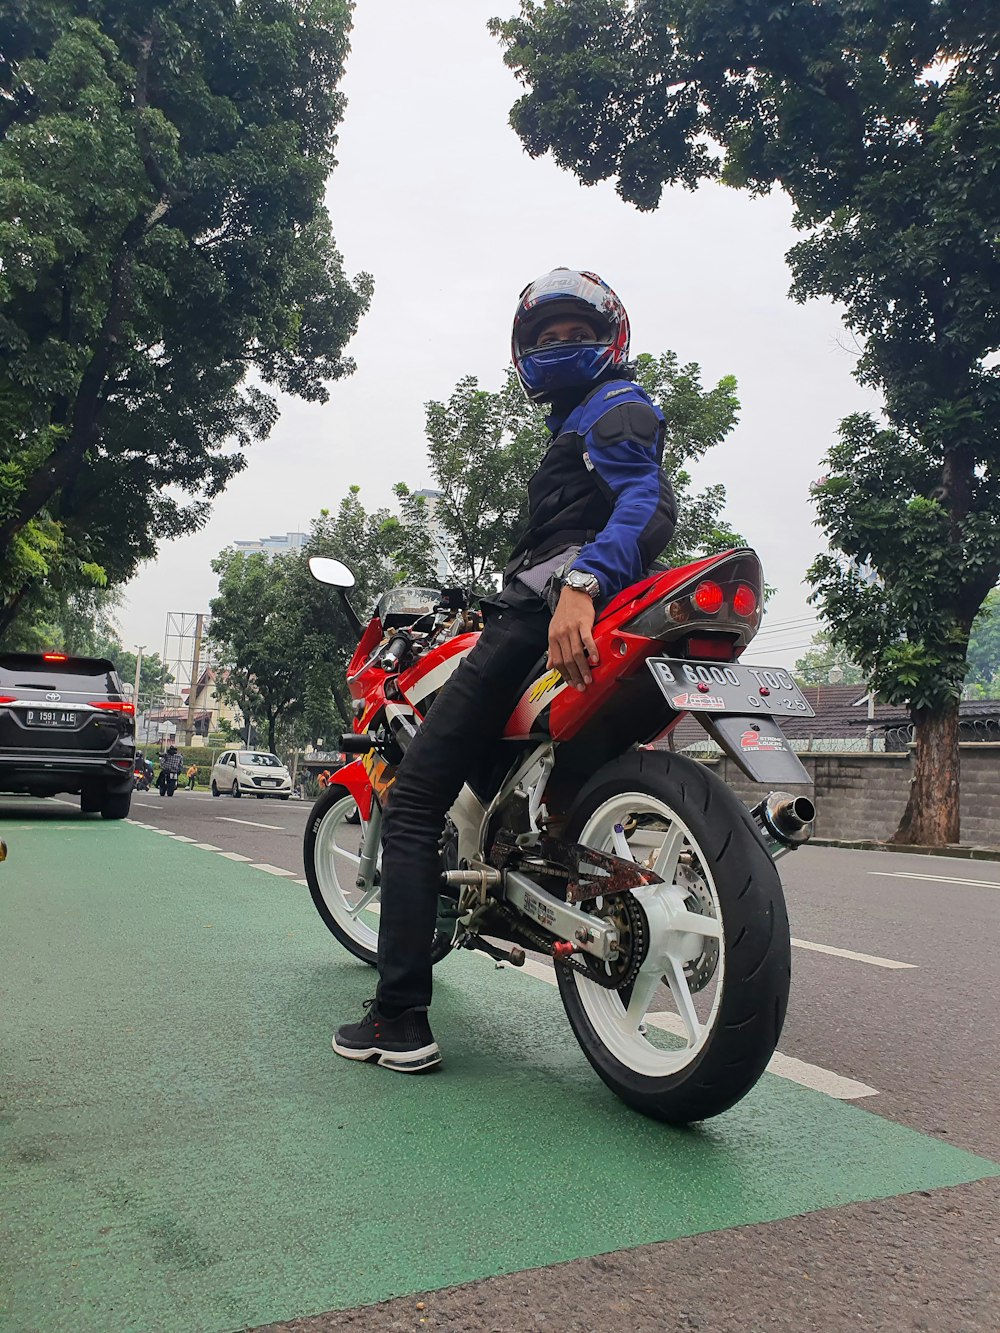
[(66, 726), (251, 773)]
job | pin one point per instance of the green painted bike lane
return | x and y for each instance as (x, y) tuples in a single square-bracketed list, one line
[(183, 1151)]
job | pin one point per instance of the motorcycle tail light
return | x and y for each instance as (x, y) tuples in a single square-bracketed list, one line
[(727, 602), (708, 597), (744, 601)]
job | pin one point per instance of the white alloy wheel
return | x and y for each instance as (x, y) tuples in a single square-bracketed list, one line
[(660, 1024), (336, 858)]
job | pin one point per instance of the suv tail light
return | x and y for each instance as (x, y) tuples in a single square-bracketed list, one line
[(114, 706), (7, 699), (54, 657)]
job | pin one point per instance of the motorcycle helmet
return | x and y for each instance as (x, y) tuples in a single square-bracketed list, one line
[(564, 293)]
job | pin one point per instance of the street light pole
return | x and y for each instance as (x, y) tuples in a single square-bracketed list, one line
[(140, 648)]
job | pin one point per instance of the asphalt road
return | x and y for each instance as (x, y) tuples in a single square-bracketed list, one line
[(894, 986)]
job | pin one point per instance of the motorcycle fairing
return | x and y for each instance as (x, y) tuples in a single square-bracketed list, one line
[(355, 778)]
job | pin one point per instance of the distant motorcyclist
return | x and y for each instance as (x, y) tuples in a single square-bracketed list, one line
[(170, 768)]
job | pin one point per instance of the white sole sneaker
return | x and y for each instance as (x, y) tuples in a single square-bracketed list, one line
[(419, 1061)]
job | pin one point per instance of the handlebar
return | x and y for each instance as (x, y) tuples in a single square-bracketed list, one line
[(392, 656)]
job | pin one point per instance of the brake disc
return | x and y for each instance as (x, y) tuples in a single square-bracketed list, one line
[(697, 897)]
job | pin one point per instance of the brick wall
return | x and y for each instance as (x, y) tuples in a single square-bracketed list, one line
[(864, 795)]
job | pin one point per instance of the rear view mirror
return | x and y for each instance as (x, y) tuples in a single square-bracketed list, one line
[(330, 571)]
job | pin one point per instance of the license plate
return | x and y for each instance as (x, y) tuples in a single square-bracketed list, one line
[(728, 687), (49, 717), (269, 782)]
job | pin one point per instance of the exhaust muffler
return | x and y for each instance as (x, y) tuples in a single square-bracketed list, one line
[(785, 821)]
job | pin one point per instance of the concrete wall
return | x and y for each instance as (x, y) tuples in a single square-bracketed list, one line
[(863, 795)]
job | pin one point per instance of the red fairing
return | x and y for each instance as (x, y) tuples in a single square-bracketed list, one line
[(355, 778), (358, 681), (549, 706), (423, 680)]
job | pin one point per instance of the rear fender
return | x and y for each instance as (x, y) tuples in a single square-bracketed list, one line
[(354, 777), (758, 745)]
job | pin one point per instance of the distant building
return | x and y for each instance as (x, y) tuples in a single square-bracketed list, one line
[(439, 542), (276, 545)]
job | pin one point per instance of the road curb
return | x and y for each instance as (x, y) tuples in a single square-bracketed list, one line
[(962, 853)]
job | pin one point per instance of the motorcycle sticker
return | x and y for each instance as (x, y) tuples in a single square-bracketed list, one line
[(697, 701), (753, 740)]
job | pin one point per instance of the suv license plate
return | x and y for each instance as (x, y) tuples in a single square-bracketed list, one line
[(728, 687), (49, 717)]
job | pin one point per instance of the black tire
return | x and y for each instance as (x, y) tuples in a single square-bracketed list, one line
[(115, 805), (757, 951), (442, 943), (215, 789), (284, 798), (236, 789)]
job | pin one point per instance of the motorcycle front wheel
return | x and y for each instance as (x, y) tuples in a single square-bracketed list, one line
[(334, 839), (691, 1033)]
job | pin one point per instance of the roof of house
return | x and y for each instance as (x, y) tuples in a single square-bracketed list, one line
[(841, 714)]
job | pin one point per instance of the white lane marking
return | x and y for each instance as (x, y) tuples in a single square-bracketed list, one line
[(181, 838), (936, 879), (303, 881), (148, 805), (208, 846), (62, 801), (167, 832), (871, 958), (250, 823), (785, 1066), (235, 856), (272, 870)]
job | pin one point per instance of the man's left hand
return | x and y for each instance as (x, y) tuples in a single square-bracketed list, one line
[(572, 651)]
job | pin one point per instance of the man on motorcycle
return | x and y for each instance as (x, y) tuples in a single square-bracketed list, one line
[(601, 510)]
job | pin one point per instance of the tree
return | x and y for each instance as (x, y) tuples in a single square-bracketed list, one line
[(815, 666), (882, 123), (283, 640), (483, 448), (983, 679), (260, 664), (164, 252), (382, 549)]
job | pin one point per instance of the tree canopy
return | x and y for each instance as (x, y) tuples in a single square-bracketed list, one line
[(165, 258), (881, 121), (483, 448)]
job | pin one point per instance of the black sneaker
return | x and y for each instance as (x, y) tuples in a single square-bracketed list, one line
[(405, 1043)]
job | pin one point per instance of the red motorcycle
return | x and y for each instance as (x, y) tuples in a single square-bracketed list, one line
[(640, 875)]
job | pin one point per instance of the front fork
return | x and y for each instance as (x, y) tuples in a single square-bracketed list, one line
[(369, 848)]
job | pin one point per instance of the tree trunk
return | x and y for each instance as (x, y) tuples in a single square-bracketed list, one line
[(272, 727), (931, 817)]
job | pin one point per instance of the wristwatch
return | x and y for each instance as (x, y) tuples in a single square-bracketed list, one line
[(580, 581)]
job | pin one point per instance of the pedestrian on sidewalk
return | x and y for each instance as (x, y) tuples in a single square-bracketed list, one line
[(192, 773)]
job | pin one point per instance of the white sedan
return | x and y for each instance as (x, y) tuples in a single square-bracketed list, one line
[(251, 773)]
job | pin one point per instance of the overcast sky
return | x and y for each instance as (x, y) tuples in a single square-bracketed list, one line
[(435, 197)]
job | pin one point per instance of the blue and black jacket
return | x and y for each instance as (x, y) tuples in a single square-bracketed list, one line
[(600, 486)]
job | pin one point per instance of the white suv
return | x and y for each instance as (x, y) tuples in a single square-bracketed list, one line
[(251, 773)]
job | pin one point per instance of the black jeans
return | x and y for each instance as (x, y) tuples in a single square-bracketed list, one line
[(467, 716)]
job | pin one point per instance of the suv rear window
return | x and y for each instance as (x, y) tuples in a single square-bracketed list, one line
[(82, 675)]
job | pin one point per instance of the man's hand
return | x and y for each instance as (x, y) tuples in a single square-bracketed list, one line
[(572, 650)]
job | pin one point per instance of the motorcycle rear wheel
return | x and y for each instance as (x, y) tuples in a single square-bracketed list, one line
[(331, 847), (692, 1034)]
